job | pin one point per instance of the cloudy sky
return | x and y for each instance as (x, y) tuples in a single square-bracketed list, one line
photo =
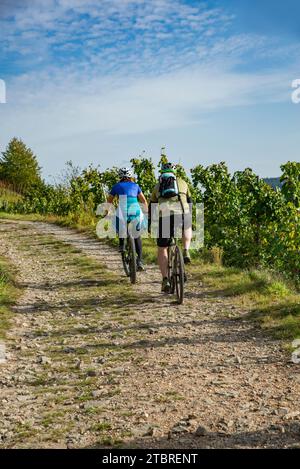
[(102, 80)]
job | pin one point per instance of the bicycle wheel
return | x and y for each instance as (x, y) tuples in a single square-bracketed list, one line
[(131, 258), (171, 269), (125, 260), (179, 275)]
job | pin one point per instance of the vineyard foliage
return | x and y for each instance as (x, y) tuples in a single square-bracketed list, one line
[(250, 222)]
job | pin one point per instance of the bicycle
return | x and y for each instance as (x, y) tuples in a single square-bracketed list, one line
[(129, 258), (176, 271)]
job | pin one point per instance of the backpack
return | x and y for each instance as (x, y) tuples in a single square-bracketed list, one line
[(168, 186)]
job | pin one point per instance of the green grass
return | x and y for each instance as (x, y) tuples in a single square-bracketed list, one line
[(270, 301), (101, 427), (282, 318), (8, 195), (8, 294), (92, 410), (22, 431), (169, 396), (109, 441), (30, 217), (51, 418)]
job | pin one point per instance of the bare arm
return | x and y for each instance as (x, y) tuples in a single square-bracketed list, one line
[(109, 200), (143, 201)]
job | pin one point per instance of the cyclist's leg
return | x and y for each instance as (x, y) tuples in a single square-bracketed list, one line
[(121, 244), (119, 231), (187, 238), (135, 229), (163, 264), (139, 248), (135, 224), (163, 260), (139, 252), (163, 244), (187, 235)]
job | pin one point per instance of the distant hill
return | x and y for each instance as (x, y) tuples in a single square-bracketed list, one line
[(274, 182)]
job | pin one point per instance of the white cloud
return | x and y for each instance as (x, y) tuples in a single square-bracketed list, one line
[(44, 110), (135, 27), (124, 36), (129, 67)]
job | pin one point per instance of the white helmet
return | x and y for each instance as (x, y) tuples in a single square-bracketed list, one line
[(125, 173)]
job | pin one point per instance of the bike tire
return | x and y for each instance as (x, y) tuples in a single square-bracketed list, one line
[(179, 275), (132, 259), (171, 259)]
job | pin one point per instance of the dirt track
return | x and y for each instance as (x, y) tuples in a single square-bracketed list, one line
[(93, 362)]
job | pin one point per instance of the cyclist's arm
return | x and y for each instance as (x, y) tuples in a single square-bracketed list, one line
[(143, 201), (110, 198), (153, 200), (189, 197)]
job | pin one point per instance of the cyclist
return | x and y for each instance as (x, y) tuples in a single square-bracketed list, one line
[(129, 210), (173, 199)]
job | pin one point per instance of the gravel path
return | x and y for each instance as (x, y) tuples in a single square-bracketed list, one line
[(93, 362)]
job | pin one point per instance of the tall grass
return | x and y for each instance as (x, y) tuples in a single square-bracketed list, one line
[(8, 294), (8, 193)]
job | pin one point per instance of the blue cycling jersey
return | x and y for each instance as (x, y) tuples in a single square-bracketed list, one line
[(128, 192)]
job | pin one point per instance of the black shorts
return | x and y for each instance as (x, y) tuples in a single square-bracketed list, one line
[(164, 242), (176, 224)]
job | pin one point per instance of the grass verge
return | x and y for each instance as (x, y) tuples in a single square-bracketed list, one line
[(8, 294), (8, 196), (271, 301)]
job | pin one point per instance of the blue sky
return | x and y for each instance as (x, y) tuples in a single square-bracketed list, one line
[(102, 80)]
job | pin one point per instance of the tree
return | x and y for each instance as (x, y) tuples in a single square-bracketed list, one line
[(163, 157), (109, 177), (68, 174), (19, 166), (144, 169), (214, 187), (290, 180)]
